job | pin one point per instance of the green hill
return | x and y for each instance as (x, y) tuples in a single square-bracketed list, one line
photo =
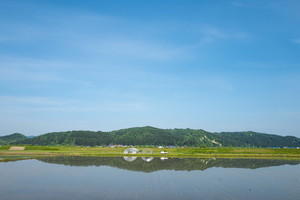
[(155, 136), (8, 139), (253, 139)]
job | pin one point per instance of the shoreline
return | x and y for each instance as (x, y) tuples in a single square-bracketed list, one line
[(190, 152)]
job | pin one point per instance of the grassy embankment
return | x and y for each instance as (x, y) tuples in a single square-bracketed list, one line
[(172, 152)]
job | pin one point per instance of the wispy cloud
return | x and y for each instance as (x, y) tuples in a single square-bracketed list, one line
[(26, 75), (218, 83), (39, 71), (241, 4), (94, 35), (17, 104), (36, 101), (211, 34), (131, 48), (297, 40), (214, 32), (26, 62), (102, 36)]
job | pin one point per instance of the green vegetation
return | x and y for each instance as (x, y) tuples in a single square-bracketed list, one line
[(4, 140), (172, 152), (154, 136)]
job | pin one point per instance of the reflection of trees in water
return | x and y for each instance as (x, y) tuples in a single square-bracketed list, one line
[(169, 164)]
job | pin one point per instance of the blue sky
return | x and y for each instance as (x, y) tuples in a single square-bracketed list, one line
[(106, 65)]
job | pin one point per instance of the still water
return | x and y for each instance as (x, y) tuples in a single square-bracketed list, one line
[(148, 178)]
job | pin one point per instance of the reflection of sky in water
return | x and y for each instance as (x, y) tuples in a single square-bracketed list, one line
[(32, 179)]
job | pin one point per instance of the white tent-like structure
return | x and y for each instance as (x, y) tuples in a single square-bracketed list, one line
[(147, 151), (131, 151)]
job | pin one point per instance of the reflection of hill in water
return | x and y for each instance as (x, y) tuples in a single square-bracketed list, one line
[(156, 164)]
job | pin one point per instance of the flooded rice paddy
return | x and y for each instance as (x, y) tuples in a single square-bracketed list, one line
[(148, 178)]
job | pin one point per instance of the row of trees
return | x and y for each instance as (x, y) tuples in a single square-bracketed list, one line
[(154, 136)]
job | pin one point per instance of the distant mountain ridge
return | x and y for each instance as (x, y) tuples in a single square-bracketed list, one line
[(154, 136)]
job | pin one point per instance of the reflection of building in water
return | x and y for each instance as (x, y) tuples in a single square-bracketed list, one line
[(147, 159), (129, 159), (147, 151), (131, 151), (163, 158)]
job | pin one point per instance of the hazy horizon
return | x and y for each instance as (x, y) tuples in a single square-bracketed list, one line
[(37, 134), (107, 65)]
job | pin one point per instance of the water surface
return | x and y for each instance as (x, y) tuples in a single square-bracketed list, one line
[(136, 178)]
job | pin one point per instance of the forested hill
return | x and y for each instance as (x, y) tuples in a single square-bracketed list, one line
[(8, 139), (155, 136)]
